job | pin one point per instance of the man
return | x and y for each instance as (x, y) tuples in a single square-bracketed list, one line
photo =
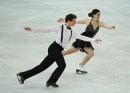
[(63, 36)]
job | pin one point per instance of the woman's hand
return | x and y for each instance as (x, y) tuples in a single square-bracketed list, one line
[(113, 27), (60, 20)]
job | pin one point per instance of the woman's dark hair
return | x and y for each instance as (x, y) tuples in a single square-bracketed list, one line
[(70, 17), (94, 11)]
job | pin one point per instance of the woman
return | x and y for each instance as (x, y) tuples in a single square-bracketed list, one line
[(92, 28)]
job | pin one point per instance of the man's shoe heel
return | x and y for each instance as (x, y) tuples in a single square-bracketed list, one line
[(77, 71), (52, 84), (20, 79)]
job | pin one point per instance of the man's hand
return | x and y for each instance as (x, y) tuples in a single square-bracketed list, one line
[(98, 40), (27, 28)]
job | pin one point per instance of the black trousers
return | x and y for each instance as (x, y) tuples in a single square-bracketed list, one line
[(54, 55)]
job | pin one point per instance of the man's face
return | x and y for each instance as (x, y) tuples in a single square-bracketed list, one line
[(72, 23)]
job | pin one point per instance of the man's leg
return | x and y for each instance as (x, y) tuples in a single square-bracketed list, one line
[(58, 57), (39, 68)]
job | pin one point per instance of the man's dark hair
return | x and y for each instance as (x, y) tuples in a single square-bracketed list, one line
[(70, 17)]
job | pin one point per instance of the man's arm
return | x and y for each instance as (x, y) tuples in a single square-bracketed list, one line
[(43, 29), (84, 38)]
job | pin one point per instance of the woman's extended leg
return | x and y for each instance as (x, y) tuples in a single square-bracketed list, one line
[(70, 51)]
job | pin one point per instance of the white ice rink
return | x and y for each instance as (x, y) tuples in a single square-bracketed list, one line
[(108, 70)]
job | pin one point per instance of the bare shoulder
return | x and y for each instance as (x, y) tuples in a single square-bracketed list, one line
[(87, 21), (100, 23)]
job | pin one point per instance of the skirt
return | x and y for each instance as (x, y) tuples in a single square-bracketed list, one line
[(82, 44)]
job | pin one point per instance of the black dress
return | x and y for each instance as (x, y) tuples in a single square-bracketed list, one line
[(89, 32)]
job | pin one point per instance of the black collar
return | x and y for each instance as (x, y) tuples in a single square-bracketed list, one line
[(68, 27)]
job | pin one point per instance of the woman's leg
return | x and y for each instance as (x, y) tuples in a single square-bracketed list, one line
[(70, 51), (88, 56), (85, 60)]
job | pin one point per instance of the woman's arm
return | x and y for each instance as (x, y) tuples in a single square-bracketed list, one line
[(78, 21), (82, 21), (106, 26)]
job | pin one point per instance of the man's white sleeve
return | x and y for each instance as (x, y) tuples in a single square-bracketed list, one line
[(84, 38), (55, 29)]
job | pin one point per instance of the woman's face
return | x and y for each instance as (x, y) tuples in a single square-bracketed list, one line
[(96, 16)]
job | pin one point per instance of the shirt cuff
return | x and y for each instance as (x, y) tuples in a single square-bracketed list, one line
[(93, 39)]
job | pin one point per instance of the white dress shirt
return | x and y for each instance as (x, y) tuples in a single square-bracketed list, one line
[(66, 34)]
